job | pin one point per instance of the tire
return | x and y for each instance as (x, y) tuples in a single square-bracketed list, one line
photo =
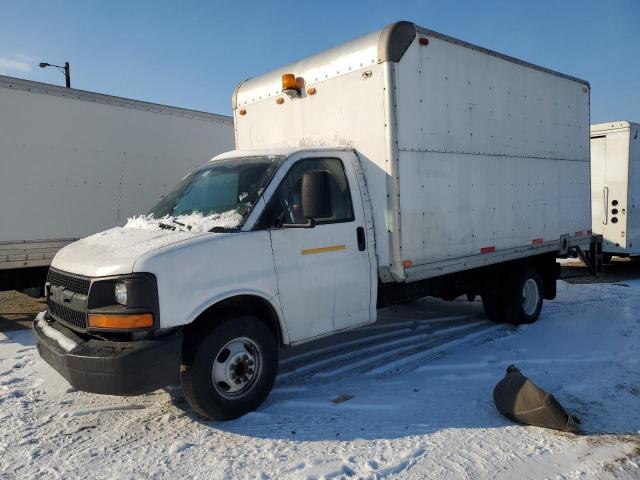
[(230, 370), (492, 305), (522, 301)]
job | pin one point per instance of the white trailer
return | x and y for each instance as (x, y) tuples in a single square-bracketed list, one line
[(471, 157), (74, 162), (402, 164), (615, 187)]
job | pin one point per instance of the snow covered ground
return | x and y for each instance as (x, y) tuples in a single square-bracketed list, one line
[(410, 397)]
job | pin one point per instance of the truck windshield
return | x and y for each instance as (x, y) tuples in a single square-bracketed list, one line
[(218, 196)]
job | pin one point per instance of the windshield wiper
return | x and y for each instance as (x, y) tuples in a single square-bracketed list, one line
[(166, 226), (223, 229), (188, 227)]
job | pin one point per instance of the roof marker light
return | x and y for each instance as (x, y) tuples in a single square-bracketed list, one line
[(292, 85), (289, 82)]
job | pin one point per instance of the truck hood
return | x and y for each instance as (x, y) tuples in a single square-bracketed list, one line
[(115, 251)]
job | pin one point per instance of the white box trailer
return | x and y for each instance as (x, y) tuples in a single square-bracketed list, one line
[(471, 157), (74, 162), (615, 187), (402, 164)]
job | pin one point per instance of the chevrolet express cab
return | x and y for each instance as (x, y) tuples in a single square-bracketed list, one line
[(402, 164)]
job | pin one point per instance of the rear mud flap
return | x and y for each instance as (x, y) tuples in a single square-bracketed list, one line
[(519, 399)]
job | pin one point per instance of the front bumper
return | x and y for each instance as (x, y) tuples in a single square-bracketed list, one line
[(113, 368)]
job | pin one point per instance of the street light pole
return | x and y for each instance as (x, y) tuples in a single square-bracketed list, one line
[(67, 75), (66, 70)]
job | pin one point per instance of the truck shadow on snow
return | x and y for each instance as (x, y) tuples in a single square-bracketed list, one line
[(385, 381), (366, 383)]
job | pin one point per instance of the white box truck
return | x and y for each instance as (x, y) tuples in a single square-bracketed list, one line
[(615, 187), (401, 164), (73, 163)]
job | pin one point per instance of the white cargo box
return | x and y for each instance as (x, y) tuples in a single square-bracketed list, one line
[(471, 157), (73, 162), (615, 186)]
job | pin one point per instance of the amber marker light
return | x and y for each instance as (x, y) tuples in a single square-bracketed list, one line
[(242, 111), (311, 91), (289, 82), (120, 322), (279, 100)]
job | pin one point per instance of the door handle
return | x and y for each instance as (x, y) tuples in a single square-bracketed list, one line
[(362, 241), (605, 210)]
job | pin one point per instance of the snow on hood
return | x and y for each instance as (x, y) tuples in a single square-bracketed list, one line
[(115, 251)]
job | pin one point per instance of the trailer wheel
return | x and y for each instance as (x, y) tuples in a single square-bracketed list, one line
[(523, 297), (231, 370)]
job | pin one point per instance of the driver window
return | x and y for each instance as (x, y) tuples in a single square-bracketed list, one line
[(286, 205)]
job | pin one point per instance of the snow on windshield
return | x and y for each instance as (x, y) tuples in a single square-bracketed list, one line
[(193, 222)]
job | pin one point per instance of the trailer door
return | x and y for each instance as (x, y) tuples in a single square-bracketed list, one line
[(599, 190), (609, 185)]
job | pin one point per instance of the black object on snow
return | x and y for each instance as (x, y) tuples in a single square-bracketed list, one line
[(521, 400)]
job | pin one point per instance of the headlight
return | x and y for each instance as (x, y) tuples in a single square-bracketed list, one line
[(121, 293)]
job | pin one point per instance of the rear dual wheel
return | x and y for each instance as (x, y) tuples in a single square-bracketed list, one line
[(518, 300)]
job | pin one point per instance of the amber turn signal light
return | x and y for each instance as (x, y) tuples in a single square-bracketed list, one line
[(120, 322)]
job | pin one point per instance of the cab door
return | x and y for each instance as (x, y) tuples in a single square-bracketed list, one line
[(323, 272)]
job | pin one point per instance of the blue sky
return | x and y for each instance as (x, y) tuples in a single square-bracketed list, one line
[(191, 54)]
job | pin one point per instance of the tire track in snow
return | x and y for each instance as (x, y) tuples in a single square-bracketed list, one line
[(386, 349), (416, 326), (415, 361), (419, 345)]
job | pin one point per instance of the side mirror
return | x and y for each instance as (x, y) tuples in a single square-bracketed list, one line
[(316, 196), (315, 199)]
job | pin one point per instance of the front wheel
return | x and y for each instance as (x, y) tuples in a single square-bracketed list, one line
[(231, 370)]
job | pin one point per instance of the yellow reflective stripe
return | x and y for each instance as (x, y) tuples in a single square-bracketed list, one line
[(332, 248)]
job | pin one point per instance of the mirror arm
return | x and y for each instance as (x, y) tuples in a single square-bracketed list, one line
[(310, 224)]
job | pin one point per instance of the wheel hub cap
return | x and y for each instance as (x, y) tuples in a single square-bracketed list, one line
[(236, 367), (530, 296)]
